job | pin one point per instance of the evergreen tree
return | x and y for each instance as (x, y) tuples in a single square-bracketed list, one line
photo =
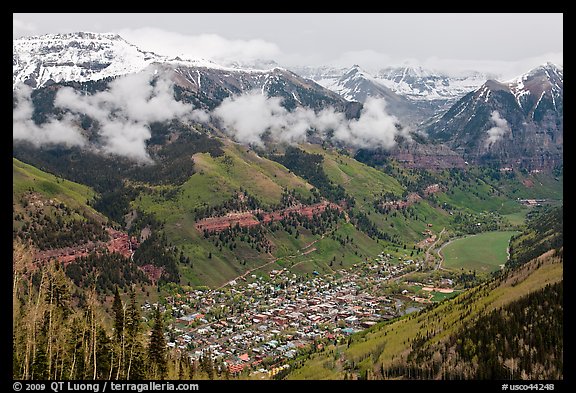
[(118, 310), (133, 346), (157, 347)]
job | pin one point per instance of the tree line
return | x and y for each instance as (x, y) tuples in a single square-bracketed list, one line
[(545, 231), (58, 228)]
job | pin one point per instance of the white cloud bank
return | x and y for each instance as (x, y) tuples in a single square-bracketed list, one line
[(53, 132), (123, 112), (251, 118)]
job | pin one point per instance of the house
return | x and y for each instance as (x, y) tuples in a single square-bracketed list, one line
[(236, 368), (351, 319), (244, 357)]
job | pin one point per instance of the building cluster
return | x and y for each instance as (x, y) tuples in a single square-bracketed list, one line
[(266, 320), (532, 202)]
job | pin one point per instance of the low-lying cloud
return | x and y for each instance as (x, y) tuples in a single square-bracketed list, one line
[(54, 132), (499, 129), (253, 118), (123, 113)]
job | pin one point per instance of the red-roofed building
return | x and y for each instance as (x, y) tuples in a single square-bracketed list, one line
[(244, 357), (236, 368)]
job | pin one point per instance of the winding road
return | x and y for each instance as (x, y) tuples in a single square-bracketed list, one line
[(427, 254)]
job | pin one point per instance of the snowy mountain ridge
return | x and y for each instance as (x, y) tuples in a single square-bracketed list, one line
[(85, 56), (81, 57), (413, 82), (418, 83), (547, 80)]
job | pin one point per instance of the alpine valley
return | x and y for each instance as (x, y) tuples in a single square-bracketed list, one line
[(181, 219)]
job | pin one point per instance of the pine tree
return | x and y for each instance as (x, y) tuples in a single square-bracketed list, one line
[(157, 347), (103, 354), (119, 321), (132, 323), (117, 308)]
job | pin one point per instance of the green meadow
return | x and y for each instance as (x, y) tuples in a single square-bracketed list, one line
[(484, 252)]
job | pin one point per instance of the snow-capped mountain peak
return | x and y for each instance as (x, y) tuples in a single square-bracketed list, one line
[(546, 76), (414, 82), (85, 56), (78, 57), (354, 73), (519, 121), (543, 82), (418, 83), (399, 74)]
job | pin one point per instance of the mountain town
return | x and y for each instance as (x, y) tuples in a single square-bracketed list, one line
[(179, 217)]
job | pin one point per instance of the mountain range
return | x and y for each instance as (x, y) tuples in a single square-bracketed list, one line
[(443, 111), (415, 82)]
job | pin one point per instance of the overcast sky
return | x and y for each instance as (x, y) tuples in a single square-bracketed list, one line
[(503, 43)]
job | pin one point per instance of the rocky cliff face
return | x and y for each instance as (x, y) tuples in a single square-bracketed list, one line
[(414, 155)]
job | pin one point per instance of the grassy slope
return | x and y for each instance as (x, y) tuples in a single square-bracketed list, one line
[(361, 181), (388, 341), (330, 256), (366, 184), (536, 185), (517, 218), (217, 180), (74, 195), (483, 252)]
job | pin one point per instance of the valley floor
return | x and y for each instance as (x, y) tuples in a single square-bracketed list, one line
[(273, 319)]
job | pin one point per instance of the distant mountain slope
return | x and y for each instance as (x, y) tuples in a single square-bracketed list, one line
[(517, 123), (357, 85), (413, 93), (415, 83), (418, 83), (207, 87), (40, 61), (543, 232)]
